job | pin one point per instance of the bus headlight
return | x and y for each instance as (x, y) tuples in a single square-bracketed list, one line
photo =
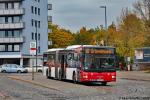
[(85, 76), (113, 76)]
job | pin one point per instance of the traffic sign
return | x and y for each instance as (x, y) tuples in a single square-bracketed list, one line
[(33, 48)]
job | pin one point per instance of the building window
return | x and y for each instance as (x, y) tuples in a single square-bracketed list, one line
[(2, 33), (16, 47), (32, 9), (10, 33), (32, 22), (16, 19), (16, 5), (32, 36), (2, 47), (39, 24), (10, 48), (39, 49), (35, 10), (38, 11), (49, 6), (2, 20), (9, 6), (2, 5), (16, 33), (39, 36), (8, 19)]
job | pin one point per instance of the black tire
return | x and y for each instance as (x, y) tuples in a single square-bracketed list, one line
[(104, 83), (74, 78), (3, 71), (19, 71), (40, 71)]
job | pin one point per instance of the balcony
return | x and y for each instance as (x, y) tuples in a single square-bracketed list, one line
[(12, 26), (10, 0), (12, 12), (12, 39)]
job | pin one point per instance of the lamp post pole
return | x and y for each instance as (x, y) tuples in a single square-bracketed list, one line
[(36, 43), (105, 22), (105, 16)]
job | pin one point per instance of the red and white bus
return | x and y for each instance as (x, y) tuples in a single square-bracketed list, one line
[(82, 63)]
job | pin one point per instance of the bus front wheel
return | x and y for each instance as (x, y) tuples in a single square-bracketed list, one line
[(104, 83)]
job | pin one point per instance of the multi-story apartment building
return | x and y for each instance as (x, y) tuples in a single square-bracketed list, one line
[(22, 22)]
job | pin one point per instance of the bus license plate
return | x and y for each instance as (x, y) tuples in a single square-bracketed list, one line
[(100, 80)]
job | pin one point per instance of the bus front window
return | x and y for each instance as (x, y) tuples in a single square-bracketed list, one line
[(95, 62)]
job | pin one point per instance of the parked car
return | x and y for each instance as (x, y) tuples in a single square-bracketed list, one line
[(13, 68), (39, 69)]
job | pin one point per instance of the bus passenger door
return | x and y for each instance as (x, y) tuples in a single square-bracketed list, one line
[(62, 69)]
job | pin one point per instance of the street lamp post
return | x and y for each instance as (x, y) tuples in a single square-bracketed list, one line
[(36, 42), (105, 16), (105, 23)]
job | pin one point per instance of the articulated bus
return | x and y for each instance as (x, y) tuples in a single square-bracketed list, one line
[(82, 63)]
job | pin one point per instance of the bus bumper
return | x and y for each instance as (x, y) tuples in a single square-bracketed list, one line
[(98, 77)]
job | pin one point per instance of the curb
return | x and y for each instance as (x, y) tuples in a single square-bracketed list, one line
[(135, 79), (34, 83)]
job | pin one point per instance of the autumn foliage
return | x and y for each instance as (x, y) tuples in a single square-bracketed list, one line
[(130, 32)]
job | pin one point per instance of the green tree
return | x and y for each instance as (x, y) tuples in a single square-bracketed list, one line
[(142, 9), (83, 37), (60, 37), (132, 30), (100, 36)]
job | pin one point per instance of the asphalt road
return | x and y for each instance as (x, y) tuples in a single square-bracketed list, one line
[(17, 90), (123, 89)]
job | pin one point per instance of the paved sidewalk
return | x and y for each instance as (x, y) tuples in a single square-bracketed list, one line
[(134, 75)]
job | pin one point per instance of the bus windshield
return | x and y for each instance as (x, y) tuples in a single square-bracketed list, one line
[(98, 63)]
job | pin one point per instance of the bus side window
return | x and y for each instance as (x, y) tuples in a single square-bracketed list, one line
[(76, 57), (69, 56)]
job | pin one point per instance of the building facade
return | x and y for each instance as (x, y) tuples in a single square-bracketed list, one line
[(22, 22), (142, 58)]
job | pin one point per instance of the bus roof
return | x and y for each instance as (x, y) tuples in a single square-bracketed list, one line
[(77, 46), (94, 46), (55, 49)]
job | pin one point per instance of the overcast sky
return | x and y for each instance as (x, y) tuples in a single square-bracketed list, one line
[(73, 14)]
